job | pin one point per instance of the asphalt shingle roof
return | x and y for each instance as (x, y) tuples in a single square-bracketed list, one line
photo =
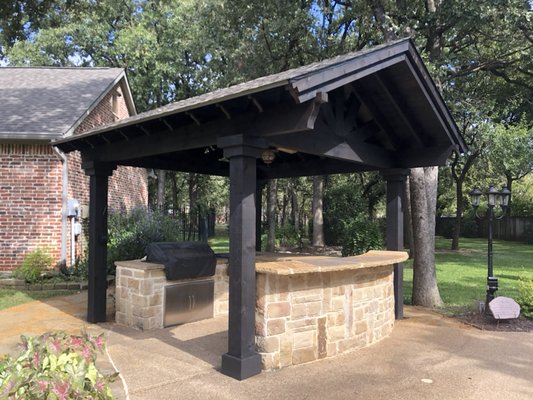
[(46, 103)]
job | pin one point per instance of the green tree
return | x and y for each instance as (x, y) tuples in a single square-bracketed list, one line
[(174, 49), (511, 151)]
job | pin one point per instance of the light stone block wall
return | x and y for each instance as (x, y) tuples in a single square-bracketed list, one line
[(140, 293), (221, 298), (306, 317)]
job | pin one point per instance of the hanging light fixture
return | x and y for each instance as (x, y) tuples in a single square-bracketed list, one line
[(268, 156)]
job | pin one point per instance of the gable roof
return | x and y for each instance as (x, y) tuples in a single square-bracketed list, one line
[(45, 103), (374, 109)]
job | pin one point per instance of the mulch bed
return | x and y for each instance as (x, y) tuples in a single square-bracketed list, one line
[(488, 323)]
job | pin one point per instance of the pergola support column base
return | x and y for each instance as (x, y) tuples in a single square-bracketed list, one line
[(241, 368), (97, 287)]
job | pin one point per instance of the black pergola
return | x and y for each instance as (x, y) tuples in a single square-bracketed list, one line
[(376, 109)]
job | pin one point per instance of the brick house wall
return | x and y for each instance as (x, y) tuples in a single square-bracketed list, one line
[(128, 186), (30, 202), (31, 188)]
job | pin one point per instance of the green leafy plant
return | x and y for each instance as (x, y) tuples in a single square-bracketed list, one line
[(287, 235), (525, 295), (346, 222), (130, 233), (33, 266), (361, 235), (79, 271), (55, 366)]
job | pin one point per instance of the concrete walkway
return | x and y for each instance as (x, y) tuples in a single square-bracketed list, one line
[(426, 357)]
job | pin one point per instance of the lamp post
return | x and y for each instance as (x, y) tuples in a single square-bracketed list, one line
[(494, 198)]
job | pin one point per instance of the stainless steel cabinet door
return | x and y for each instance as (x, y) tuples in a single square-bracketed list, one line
[(188, 301)]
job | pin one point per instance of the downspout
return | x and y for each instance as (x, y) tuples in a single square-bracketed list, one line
[(64, 204)]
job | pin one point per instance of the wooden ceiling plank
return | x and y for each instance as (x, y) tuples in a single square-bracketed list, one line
[(401, 110)]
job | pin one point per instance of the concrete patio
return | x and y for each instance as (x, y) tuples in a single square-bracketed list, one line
[(428, 356)]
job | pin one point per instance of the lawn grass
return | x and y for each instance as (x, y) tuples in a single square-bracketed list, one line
[(220, 242), (462, 275), (12, 297)]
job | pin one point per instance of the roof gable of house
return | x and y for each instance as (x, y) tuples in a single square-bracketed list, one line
[(41, 103)]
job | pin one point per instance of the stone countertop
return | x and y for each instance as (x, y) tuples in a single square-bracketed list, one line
[(291, 264), (282, 264), (147, 266)]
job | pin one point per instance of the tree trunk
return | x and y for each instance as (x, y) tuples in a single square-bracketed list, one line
[(174, 194), (193, 205), (295, 207), (458, 214), (423, 185), (318, 218), (161, 174), (271, 215), (408, 224)]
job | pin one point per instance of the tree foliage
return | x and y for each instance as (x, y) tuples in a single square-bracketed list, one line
[(479, 53)]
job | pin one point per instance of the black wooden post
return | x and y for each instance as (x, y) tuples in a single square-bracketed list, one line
[(97, 285), (242, 360), (258, 213), (395, 188)]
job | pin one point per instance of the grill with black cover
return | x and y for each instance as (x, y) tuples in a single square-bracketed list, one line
[(183, 260)]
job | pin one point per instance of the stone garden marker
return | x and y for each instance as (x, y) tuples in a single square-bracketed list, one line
[(504, 308)]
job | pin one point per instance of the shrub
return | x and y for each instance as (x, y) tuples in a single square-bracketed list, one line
[(55, 366), (469, 226), (130, 233), (342, 204), (346, 222), (525, 295), (528, 234), (287, 235), (34, 264), (361, 235)]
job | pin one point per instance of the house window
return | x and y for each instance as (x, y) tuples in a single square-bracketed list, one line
[(114, 104)]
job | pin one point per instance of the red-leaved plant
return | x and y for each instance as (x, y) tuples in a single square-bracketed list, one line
[(55, 366)]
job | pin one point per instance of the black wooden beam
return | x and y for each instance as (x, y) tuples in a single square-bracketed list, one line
[(301, 165), (394, 235), (282, 119), (334, 77), (184, 162), (401, 110), (258, 212), (390, 139), (429, 156), (97, 280), (434, 99), (323, 143)]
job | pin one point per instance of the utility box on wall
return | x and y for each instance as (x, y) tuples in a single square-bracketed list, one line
[(84, 211), (73, 208)]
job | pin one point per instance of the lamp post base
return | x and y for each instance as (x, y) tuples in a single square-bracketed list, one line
[(492, 287)]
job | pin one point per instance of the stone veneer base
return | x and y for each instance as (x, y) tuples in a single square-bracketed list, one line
[(140, 293), (308, 308), (306, 317)]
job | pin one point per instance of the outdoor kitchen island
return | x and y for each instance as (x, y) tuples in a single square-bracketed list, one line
[(313, 307), (308, 307)]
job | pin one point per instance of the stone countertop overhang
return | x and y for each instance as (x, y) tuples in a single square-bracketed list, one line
[(282, 264)]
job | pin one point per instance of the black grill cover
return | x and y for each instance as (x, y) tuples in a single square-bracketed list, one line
[(183, 259)]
